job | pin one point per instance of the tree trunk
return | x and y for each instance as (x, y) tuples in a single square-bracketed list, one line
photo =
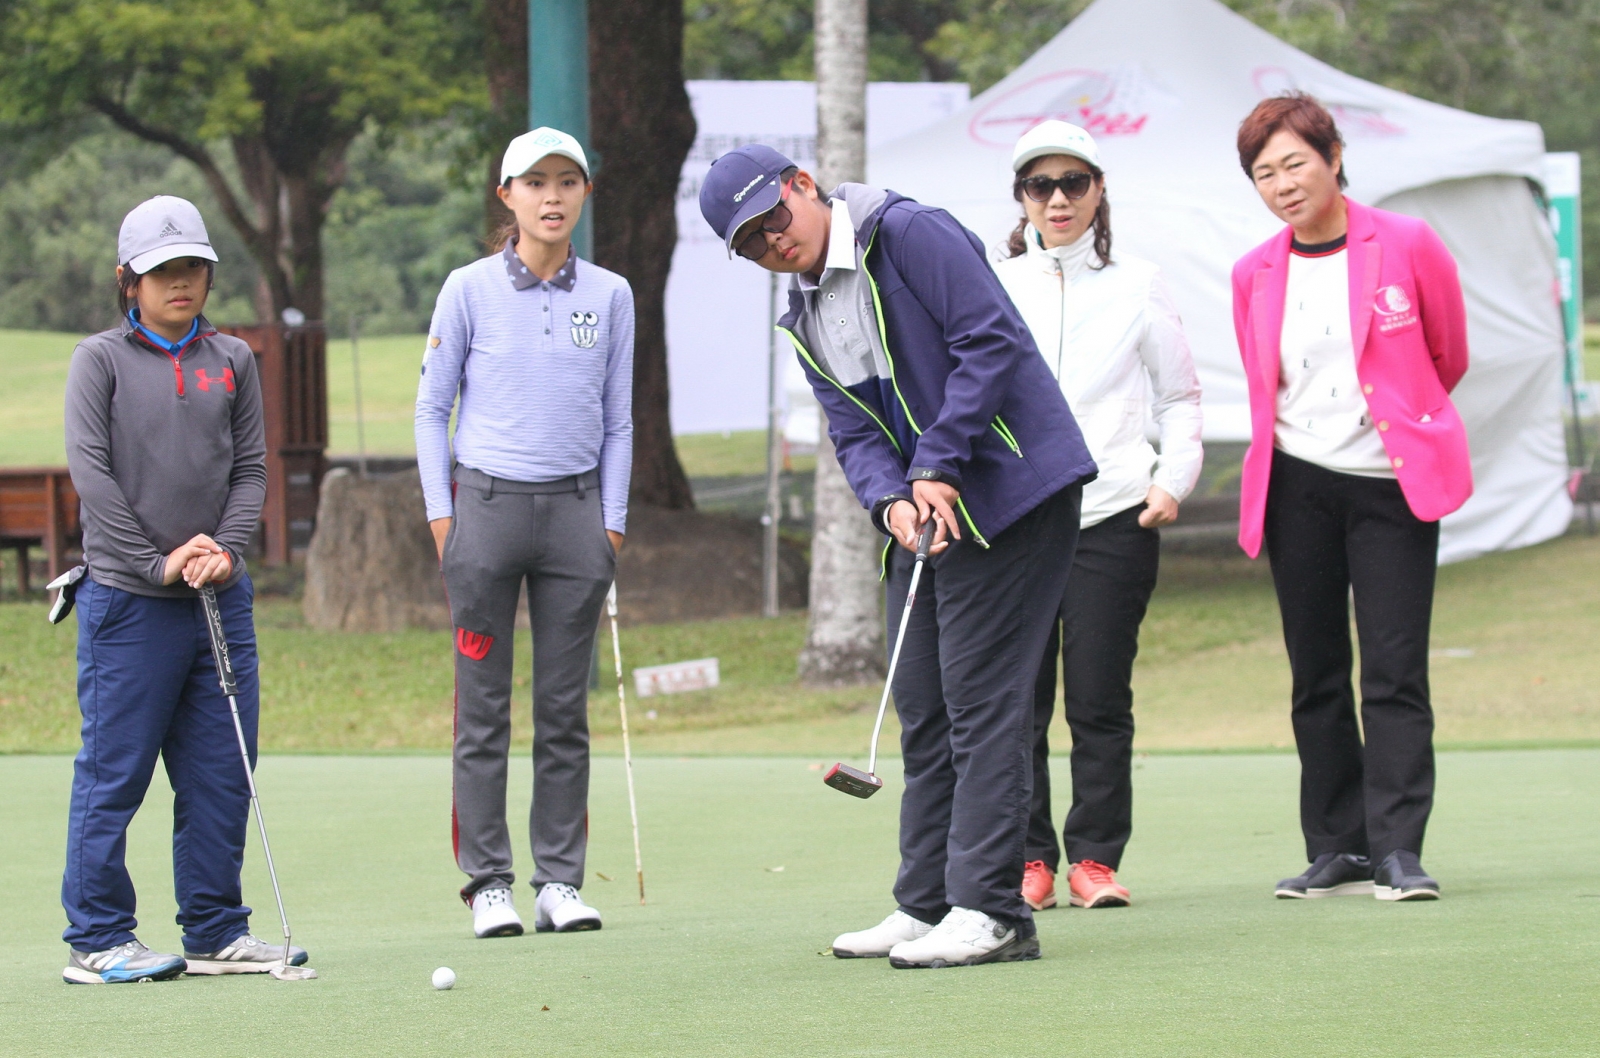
[(642, 128), (845, 637), (505, 60), (844, 633)]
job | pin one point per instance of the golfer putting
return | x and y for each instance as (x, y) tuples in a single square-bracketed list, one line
[(167, 451), (940, 407), (537, 346)]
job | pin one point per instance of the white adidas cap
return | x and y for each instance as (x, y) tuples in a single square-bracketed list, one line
[(528, 148), (1054, 137), (160, 229)]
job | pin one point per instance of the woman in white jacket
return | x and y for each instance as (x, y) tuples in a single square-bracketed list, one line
[(1113, 339)]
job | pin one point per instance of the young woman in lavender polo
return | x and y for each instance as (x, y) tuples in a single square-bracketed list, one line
[(533, 347)]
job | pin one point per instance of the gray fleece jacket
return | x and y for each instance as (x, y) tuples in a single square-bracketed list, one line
[(163, 446)]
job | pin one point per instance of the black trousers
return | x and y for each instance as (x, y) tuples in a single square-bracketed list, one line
[(1113, 576), (964, 694), (1328, 536)]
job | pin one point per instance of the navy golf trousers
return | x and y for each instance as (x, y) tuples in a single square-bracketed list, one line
[(147, 685), (964, 694)]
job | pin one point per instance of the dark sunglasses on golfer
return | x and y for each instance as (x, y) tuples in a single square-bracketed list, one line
[(1074, 185), (753, 247)]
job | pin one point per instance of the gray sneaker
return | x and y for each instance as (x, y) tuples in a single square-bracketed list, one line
[(247, 955), (124, 963)]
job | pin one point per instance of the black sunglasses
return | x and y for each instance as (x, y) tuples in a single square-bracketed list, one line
[(1074, 185), (753, 247)]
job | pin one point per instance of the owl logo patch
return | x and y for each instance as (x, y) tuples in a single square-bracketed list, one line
[(584, 329)]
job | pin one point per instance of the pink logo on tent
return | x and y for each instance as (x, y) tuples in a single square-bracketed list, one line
[(1353, 119), (1087, 98)]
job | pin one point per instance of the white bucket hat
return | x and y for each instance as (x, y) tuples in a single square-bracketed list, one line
[(528, 148), (1054, 137)]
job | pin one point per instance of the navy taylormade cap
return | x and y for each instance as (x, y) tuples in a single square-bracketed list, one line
[(740, 185)]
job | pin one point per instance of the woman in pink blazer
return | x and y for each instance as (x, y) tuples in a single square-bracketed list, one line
[(1353, 333)]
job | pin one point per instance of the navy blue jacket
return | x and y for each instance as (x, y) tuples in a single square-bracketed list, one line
[(968, 401)]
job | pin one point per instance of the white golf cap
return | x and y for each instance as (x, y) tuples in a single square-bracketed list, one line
[(160, 229), (1054, 137), (528, 148)]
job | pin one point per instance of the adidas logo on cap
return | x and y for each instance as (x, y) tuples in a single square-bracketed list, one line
[(168, 230)]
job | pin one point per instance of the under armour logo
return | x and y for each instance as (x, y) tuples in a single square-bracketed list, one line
[(584, 331), (169, 231), (474, 645), (206, 381)]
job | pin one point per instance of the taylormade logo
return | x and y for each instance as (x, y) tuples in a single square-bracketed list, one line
[(169, 230), (746, 189)]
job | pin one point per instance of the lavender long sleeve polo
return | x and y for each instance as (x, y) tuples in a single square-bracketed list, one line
[(544, 374)]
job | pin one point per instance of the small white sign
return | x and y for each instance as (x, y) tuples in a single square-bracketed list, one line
[(694, 675)]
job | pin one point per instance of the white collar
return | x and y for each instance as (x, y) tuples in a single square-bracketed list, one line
[(1070, 260), (841, 237)]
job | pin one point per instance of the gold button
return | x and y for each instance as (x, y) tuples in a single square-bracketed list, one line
[(1383, 424), (1398, 462), (1367, 388)]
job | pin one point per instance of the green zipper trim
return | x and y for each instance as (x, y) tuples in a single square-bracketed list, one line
[(883, 337), (883, 560), (1006, 435), (801, 349)]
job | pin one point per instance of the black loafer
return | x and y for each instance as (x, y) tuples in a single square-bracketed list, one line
[(1401, 877), (1331, 874)]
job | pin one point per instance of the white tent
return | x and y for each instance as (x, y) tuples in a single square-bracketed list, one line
[(1163, 85)]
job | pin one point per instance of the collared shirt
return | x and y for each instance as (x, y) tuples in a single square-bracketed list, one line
[(839, 323), (544, 374)]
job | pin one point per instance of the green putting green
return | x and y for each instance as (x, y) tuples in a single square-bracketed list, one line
[(753, 865)]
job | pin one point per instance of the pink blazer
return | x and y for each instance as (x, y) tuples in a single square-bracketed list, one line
[(1409, 328)]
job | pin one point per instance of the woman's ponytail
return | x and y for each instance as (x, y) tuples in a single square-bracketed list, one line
[(1016, 244)]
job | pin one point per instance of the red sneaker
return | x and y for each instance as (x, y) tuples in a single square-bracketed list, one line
[(1038, 885), (1095, 885)]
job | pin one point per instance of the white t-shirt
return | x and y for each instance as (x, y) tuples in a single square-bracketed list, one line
[(1322, 414)]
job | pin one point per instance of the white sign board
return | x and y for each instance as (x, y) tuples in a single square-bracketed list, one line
[(694, 675), (719, 316)]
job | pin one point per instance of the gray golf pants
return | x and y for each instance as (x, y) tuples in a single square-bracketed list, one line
[(550, 534)]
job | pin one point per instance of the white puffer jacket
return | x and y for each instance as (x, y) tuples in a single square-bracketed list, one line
[(1114, 341)]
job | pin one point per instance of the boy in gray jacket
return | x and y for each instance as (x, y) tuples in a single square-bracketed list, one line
[(167, 452)]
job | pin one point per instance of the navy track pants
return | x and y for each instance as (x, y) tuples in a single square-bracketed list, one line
[(147, 685)]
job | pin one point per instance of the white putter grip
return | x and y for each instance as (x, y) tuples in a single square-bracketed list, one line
[(219, 641)]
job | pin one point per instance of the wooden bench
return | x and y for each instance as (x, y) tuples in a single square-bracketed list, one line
[(38, 508)]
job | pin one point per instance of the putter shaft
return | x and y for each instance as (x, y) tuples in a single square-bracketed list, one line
[(924, 547), (627, 751), (230, 687)]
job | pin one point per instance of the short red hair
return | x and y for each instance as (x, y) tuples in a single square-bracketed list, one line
[(1299, 113)]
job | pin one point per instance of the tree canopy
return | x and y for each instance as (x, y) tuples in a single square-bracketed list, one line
[(288, 85)]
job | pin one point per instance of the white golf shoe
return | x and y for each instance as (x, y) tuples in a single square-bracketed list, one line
[(493, 914), (964, 938), (875, 943), (560, 909)]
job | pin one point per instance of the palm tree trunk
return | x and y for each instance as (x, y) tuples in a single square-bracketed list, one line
[(845, 636)]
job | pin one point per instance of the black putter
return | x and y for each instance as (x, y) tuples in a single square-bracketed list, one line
[(854, 781)]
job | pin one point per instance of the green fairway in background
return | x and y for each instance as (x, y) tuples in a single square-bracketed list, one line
[(33, 379), (753, 866)]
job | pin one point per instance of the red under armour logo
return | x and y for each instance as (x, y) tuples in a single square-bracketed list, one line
[(474, 645), (206, 382)]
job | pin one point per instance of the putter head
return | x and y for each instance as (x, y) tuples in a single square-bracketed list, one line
[(853, 781), (292, 973)]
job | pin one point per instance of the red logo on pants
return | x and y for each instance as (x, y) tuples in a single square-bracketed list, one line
[(474, 645)]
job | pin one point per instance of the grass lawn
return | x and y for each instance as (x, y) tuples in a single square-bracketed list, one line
[(727, 958), (1514, 638)]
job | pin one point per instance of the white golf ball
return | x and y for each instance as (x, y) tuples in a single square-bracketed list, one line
[(444, 978)]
